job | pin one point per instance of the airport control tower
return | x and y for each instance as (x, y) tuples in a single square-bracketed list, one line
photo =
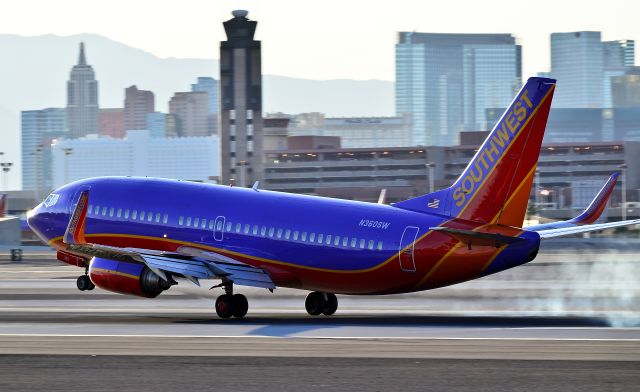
[(240, 102)]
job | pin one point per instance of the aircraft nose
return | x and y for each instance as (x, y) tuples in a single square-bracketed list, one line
[(35, 220)]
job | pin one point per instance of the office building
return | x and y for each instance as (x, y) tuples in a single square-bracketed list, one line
[(191, 111), (137, 104), (354, 132), (241, 125), (138, 154), (210, 86), (156, 124), (111, 122), (82, 99), (619, 53), (625, 89), (39, 128), (447, 81)]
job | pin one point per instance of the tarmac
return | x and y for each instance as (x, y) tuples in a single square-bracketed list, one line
[(568, 321)]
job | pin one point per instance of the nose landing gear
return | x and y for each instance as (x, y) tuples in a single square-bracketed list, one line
[(317, 302), (84, 283)]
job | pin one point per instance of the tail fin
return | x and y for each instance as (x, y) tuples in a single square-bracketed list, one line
[(495, 186), (3, 204)]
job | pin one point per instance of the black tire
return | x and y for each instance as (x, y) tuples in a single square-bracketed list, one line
[(83, 282), (330, 305), (240, 305), (91, 285), (313, 303), (224, 306)]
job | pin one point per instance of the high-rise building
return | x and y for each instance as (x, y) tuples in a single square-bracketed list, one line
[(138, 154), (619, 53), (111, 122), (82, 98), (157, 124), (625, 89), (210, 86), (39, 128), (241, 124), (137, 104), (446, 81), (191, 110), (577, 63)]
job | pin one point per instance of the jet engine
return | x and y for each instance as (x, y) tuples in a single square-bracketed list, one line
[(126, 277)]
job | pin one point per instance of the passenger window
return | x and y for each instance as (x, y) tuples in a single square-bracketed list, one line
[(336, 240), (210, 224), (345, 240), (312, 237), (165, 218), (328, 239), (203, 225), (279, 235), (263, 231), (246, 228), (379, 245), (97, 210), (157, 217), (104, 211), (119, 213), (353, 242), (295, 235), (255, 229), (89, 209), (149, 216), (229, 227), (111, 211), (188, 221), (271, 230), (320, 238), (181, 220), (196, 222), (287, 234), (219, 225), (134, 215), (238, 227), (304, 236), (370, 244), (142, 215), (126, 214), (362, 244)]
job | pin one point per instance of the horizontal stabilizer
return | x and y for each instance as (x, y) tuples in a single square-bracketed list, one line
[(477, 238)]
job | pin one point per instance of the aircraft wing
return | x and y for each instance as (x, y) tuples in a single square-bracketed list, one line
[(190, 263), (564, 231), (583, 222)]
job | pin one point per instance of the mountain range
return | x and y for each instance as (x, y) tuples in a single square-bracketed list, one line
[(34, 71)]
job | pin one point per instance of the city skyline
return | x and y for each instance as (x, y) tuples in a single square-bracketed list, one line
[(326, 58)]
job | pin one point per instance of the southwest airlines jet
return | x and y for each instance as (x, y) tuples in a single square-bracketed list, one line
[(137, 236)]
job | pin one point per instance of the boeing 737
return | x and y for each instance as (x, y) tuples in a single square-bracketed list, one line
[(139, 236)]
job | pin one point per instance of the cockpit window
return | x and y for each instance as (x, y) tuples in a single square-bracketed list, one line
[(51, 200)]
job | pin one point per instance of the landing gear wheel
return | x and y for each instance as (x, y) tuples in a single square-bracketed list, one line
[(314, 303), (330, 305), (240, 305), (224, 306), (84, 283)]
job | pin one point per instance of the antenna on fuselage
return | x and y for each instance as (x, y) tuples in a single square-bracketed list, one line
[(255, 186), (383, 196)]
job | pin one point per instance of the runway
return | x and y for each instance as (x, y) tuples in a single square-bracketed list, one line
[(560, 324)]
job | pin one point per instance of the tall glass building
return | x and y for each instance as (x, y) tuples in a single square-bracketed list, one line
[(447, 81), (39, 128), (577, 63)]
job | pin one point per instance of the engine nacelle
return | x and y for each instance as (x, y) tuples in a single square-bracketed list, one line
[(125, 277)]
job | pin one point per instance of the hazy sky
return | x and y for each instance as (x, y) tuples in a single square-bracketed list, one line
[(320, 39)]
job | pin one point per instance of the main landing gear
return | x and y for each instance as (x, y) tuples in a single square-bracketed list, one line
[(229, 304), (83, 282), (317, 302)]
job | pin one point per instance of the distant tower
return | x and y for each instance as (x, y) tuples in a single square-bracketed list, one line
[(241, 102), (82, 99), (137, 104)]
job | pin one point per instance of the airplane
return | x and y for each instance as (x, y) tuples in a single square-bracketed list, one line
[(138, 236)]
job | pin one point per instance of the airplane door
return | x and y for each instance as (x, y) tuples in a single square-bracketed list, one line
[(218, 228), (405, 253)]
